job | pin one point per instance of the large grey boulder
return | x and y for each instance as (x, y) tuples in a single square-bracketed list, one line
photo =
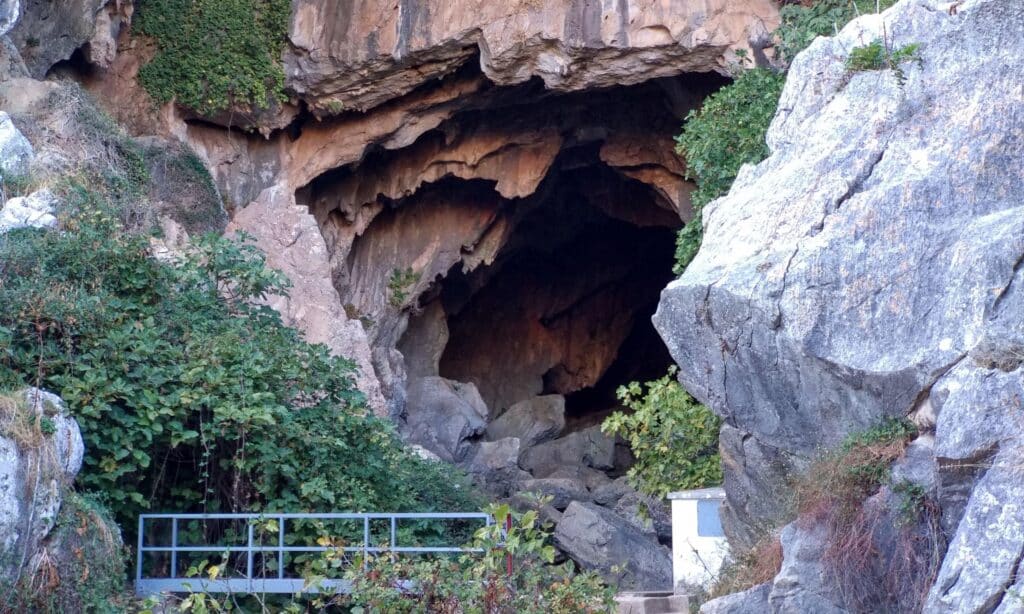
[(442, 415), (15, 150), (598, 539), (36, 465), (843, 279), (533, 421), (589, 447)]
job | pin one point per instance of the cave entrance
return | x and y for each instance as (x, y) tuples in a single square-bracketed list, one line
[(565, 307), (520, 245)]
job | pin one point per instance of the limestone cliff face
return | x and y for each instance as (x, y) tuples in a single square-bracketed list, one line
[(428, 132), (871, 268)]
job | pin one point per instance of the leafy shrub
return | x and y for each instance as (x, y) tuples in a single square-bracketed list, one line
[(215, 54), (673, 437), (190, 395), (804, 22), (724, 134), (479, 582)]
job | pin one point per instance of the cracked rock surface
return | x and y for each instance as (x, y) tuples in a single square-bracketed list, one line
[(871, 267)]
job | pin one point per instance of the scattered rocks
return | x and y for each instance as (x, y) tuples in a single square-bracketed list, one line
[(33, 211)]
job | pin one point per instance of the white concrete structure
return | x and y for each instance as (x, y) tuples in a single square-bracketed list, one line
[(699, 547)]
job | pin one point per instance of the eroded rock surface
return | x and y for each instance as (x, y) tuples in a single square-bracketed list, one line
[(856, 273), (35, 468), (356, 55)]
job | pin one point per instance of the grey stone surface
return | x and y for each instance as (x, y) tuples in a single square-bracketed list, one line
[(562, 491), (32, 479), (801, 584), (533, 421), (598, 539), (750, 601), (609, 494), (649, 514), (494, 465), (15, 150), (49, 32), (9, 10), (877, 247), (589, 447), (979, 444), (33, 211), (442, 415)]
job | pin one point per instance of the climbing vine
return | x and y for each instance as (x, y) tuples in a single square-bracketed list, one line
[(215, 54)]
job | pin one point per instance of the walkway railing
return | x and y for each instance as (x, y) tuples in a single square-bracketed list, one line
[(268, 574)]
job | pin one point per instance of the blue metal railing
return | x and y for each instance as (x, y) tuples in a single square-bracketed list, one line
[(146, 583)]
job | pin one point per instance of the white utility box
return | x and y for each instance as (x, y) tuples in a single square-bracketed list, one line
[(699, 547)]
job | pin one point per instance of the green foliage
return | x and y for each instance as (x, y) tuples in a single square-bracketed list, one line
[(878, 55), (215, 54), (673, 437), (83, 571), (479, 582), (801, 23), (724, 134), (191, 396), (400, 284)]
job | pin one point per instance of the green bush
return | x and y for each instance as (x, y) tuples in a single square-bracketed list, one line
[(673, 437), (802, 24), (215, 54), (724, 134), (479, 582), (190, 395)]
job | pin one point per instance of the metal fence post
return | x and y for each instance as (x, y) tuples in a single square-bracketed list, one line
[(366, 540), (394, 523), (280, 547), (248, 561), (174, 547), (138, 557)]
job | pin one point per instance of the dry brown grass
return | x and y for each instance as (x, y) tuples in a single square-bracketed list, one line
[(756, 566)]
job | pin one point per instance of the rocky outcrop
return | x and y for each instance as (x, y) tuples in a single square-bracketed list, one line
[(871, 268), (41, 452), (15, 150), (49, 32)]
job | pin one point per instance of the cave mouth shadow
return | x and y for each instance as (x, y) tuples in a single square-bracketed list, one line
[(566, 306)]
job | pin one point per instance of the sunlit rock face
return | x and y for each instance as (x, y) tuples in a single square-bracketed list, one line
[(871, 267)]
